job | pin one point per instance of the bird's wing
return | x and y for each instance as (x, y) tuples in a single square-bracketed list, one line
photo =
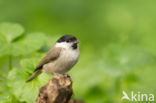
[(52, 55)]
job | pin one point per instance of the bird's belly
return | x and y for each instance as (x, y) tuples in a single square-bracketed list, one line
[(63, 64)]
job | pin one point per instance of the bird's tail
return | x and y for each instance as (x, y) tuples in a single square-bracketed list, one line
[(35, 74)]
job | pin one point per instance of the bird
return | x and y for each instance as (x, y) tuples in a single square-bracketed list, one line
[(61, 57)]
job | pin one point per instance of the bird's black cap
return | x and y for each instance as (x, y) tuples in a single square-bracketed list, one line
[(67, 38)]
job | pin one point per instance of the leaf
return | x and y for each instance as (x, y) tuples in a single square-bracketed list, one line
[(33, 41), (5, 95), (30, 43), (26, 92), (11, 31), (29, 64)]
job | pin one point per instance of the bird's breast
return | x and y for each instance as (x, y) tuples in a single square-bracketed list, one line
[(66, 60), (69, 55)]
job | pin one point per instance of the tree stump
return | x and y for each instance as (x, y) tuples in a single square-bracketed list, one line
[(58, 90)]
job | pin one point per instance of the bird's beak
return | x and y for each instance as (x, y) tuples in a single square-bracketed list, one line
[(76, 42)]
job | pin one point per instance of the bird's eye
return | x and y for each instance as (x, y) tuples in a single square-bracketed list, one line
[(68, 40)]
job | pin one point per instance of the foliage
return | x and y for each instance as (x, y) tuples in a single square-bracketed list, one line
[(14, 44), (17, 77)]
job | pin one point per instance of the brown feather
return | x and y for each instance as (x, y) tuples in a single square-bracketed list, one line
[(52, 54)]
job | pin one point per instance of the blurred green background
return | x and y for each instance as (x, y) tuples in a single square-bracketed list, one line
[(117, 45)]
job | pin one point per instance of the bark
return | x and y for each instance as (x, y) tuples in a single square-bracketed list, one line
[(58, 90)]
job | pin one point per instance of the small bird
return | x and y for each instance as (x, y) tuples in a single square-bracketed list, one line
[(60, 58)]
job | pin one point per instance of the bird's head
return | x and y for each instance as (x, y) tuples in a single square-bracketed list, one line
[(68, 41)]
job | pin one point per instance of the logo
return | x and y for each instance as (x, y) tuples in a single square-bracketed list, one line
[(138, 96)]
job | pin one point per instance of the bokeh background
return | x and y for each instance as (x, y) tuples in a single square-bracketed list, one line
[(117, 45)]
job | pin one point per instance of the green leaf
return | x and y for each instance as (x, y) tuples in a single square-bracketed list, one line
[(30, 43), (33, 41), (26, 92), (11, 30), (29, 64)]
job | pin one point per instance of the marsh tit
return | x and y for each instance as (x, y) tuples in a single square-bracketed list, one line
[(61, 57)]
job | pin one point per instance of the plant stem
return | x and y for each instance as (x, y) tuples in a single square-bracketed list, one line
[(10, 62)]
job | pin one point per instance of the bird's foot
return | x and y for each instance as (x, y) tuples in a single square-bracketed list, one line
[(57, 74), (62, 75)]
